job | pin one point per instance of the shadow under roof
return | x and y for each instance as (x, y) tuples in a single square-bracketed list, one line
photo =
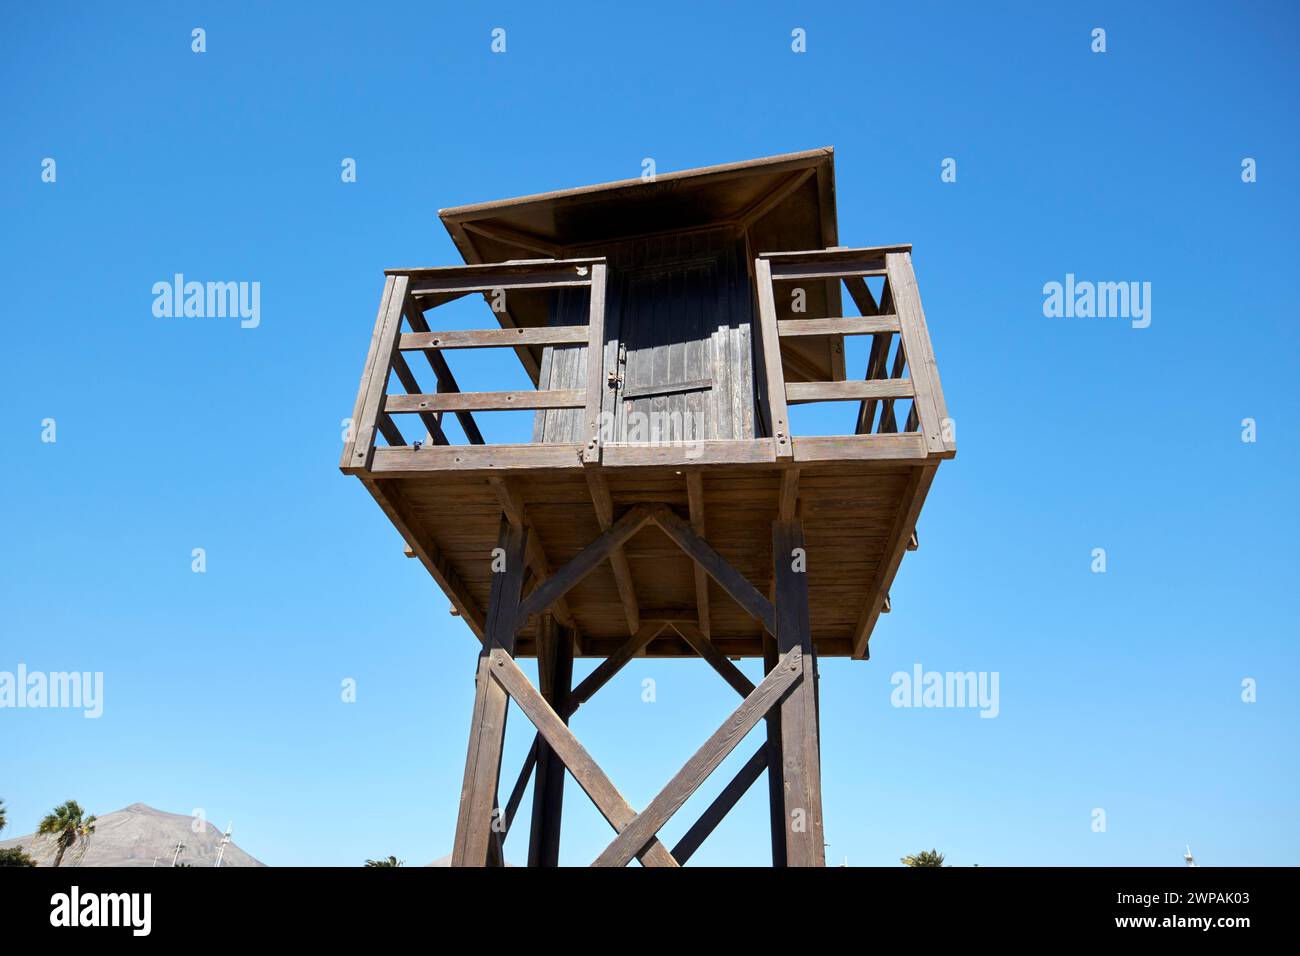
[(784, 202)]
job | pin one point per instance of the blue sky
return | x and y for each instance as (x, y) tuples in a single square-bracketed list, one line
[(1119, 691)]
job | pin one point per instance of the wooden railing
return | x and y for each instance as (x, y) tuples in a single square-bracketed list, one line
[(896, 323), (409, 294)]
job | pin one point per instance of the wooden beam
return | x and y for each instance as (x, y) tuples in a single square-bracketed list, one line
[(555, 668), (521, 784), (729, 672), (595, 365), (512, 505), (579, 695), (388, 496), (718, 568), (775, 762), (370, 403), (778, 414), (477, 820), (487, 459), (586, 561), (430, 420), (493, 338), (800, 392), (721, 806), (441, 370), (705, 760), (924, 370), (842, 270), (372, 355), (813, 449), (614, 663), (789, 499), (774, 197), (695, 500), (801, 772), (899, 536), (861, 295), (837, 254), (851, 325), (515, 237), (489, 272), (422, 286), (484, 401), (585, 770), (604, 505)]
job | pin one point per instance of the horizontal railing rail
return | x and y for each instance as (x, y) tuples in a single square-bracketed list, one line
[(401, 329)]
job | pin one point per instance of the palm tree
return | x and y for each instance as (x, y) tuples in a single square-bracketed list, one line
[(3, 821), (391, 861), (66, 824), (924, 858), (14, 856)]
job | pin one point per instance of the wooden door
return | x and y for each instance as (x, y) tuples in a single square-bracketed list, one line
[(678, 357)]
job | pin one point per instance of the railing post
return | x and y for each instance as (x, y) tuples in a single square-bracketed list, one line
[(595, 364), (359, 452), (778, 413), (928, 400)]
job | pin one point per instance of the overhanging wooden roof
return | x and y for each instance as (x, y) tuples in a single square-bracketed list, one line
[(786, 202), (780, 203)]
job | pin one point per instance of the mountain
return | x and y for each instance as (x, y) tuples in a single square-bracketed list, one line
[(136, 836)]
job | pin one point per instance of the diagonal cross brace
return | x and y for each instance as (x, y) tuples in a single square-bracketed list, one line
[(717, 567), (686, 781), (586, 561), (611, 804)]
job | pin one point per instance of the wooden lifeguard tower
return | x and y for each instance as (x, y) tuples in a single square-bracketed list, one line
[(663, 508)]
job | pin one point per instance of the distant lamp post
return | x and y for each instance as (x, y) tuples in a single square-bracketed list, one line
[(225, 841), (1188, 858)]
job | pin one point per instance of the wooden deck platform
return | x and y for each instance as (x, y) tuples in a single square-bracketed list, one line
[(858, 518)]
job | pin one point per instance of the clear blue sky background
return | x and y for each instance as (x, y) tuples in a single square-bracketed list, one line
[(1119, 691)]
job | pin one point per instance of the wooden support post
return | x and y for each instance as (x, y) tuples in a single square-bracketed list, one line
[(801, 770), (775, 773), (773, 373), (555, 668), (368, 415), (477, 819), (595, 392)]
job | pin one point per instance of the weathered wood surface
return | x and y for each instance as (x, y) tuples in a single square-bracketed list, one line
[(678, 790), (800, 748), (722, 804), (849, 508), (476, 821), (586, 772), (493, 338), (555, 671)]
